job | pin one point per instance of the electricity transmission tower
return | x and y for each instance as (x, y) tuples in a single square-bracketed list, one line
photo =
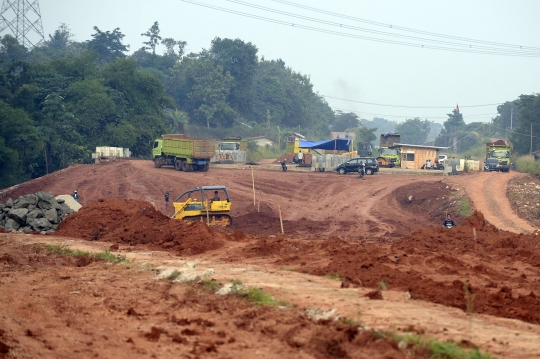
[(23, 18)]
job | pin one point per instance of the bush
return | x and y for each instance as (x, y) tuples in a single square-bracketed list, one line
[(528, 165)]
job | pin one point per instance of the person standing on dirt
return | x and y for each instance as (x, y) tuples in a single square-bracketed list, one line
[(361, 169), (449, 222), (300, 157), (75, 196), (167, 199)]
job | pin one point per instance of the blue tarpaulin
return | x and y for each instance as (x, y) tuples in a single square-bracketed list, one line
[(340, 144)]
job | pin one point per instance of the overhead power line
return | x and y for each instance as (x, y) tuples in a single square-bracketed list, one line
[(471, 50), (482, 116), (468, 44), (405, 106), (401, 28)]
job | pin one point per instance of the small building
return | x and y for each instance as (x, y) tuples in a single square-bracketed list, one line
[(263, 141), (415, 156)]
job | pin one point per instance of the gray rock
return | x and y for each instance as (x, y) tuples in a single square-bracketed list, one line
[(2, 206), (51, 215), (11, 225), (18, 214), (56, 205), (46, 203), (26, 229), (6, 210), (2, 223), (41, 224), (60, 200), (36, 213), (2, 215), (54, 226), (9, 203), (44, 196), (31, 207), (67, 209), (25, 201)]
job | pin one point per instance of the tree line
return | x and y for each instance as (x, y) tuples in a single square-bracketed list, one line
[(60, 100)]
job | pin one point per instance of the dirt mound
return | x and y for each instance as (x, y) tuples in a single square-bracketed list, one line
[(136, 222), (460, 240), (266, 222)]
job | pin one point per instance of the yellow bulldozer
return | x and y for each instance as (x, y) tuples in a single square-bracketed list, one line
[(211, 210)]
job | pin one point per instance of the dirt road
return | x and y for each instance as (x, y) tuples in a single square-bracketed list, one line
[(313, 204), (487, 190)]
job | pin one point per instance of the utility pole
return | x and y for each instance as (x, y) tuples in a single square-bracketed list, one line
[(530, 151), (23, 19), (511, 117)]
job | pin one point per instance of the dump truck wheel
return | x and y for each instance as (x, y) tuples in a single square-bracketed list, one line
[(178, 165), (205, 167), (157, 163), (185, 166)]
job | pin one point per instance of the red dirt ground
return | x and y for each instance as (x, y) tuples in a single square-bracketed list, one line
[(386, 228)]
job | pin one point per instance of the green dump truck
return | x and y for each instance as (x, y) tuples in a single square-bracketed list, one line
[(184, 153), (388, 157), (499, 150)]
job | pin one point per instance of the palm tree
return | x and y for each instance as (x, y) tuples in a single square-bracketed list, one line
[(177, 120)]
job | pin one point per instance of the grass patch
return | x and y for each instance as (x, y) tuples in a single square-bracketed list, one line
[(464, 206), (382, 285), (259, 297), (211, 285), (437, 349), (333, 276), (66, 251), (175, 274), (110, 257), (528, 165)]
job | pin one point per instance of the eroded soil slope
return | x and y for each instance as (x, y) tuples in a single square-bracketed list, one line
[(60, 307)]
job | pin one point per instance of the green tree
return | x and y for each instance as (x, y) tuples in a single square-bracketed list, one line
[(454, 123), (176, 121), (240, 60), (153, 37), (170, 45), (345, 121), (364, 134), (108, 44), (529, 118), (414, 131)]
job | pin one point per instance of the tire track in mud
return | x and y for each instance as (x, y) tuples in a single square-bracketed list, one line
[(487, 190)]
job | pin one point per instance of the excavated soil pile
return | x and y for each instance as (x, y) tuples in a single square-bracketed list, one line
[(431, 264), (500, 268), (432, 200), (136, 222), (266, 222)]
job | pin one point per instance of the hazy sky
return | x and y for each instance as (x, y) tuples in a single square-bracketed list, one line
[(345, 67)]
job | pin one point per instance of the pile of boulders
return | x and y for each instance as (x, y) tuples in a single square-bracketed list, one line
[(33, 212)]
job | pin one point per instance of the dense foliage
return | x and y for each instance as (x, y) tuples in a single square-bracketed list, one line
[(62, 99)]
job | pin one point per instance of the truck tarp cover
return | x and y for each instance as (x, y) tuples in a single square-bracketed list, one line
[(340, 144)]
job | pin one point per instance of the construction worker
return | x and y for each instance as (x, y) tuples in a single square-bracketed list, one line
[(216, 197), (449, 222), (300, 157), (167, 199), (75, 196)]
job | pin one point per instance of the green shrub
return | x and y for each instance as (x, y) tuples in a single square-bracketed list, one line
[(528, 165)]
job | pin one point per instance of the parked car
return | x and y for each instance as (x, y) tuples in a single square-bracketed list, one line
[(352, 165), (491, 164)]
